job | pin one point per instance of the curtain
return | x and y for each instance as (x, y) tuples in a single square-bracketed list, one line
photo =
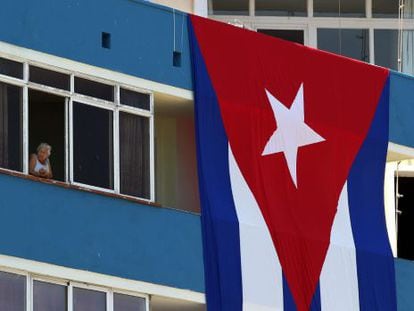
[(134, 155)]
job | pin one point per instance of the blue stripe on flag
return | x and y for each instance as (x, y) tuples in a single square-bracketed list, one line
[(289, 303), (221, 241), (375, 265)]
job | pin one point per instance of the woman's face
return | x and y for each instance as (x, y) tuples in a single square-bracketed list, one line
[(43, 154)]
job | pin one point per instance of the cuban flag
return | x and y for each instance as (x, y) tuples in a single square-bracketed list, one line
[(291, 148)]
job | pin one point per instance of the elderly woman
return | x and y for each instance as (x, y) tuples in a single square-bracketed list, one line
[(39, 163)]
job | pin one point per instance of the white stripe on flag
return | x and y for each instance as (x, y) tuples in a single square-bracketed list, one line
[(261, 270), (339, 277)]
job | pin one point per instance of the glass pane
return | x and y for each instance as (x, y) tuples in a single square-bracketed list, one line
[(128, 303), (348, 8), (289, 35), (385, 8), (92, 146), (11, 68), (135, 99), (228, 7), (49, 78), (281, 8), (407, 64), (49, 297), (12, 292), (88, 300), (352, 43), (134, 155), (94, 89), (10, 127), (386, 48)]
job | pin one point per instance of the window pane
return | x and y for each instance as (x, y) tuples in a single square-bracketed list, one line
[(135, 99), (10, 127), (386, 48), (88, 300), (92, 145), (134, 155), (385, 8), (11, 68), (228, 7), (49, 78), (290, 35), (128, 303), (12, 292), (49, 297), (281, 8), (352, 43), (408, 52), (348, 8), (94, 89)]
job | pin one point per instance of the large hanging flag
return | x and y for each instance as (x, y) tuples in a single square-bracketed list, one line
[(291, 145)]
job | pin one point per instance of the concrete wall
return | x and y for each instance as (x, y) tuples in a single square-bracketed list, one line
[(142, 35), (96, 233), (176, 167), (183, 5)]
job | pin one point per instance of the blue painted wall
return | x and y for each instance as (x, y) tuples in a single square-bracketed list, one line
[(96, 233), (142, 35), (404, 273), (402, 109)]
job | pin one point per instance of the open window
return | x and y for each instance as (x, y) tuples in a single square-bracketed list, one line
[(47, 124), (404, 185)]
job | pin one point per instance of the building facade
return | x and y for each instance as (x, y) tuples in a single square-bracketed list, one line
[(108, 86)]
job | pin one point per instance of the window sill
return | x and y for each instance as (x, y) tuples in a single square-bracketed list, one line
[(76, 187)]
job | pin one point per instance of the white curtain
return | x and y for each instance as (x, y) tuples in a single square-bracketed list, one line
[(408, 39)]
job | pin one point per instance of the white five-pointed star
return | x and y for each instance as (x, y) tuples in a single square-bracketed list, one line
[(292, 132)]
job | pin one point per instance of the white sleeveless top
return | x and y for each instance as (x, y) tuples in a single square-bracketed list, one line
[(40, 166)]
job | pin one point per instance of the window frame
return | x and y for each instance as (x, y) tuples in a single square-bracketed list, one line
[(70, 284), (70, 97)]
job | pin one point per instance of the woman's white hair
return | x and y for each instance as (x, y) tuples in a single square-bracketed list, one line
[(44, 146)]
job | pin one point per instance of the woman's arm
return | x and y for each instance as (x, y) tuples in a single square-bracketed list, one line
[(49, 174), (32, 165)]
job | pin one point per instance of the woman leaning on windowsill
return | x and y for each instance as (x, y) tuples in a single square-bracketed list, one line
[(39, 164)]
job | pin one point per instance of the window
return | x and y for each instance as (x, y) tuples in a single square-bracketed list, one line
[(23, 291), (128, 303), (281, 8), (47, 124), (334, 8), (228, 7), (94, 89), (135, 99), (348, 42), (88, 300), (134, 155), (10, 127), (101, 134), (49, 297), (92, 145), (49, 78), (386, 48), (385, 8), (12, 292), (11, 68), (289, 35)]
